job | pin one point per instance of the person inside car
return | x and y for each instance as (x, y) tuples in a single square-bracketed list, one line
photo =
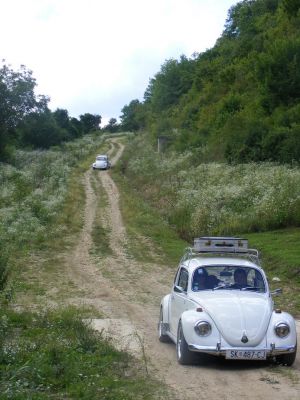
[(240, 278), (200, 279)]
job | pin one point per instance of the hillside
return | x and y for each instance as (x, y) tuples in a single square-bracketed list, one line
[(107, 259), (240, 100)]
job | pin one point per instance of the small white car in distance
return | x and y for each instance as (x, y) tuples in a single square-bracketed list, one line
[(221, 304), (102, 162)]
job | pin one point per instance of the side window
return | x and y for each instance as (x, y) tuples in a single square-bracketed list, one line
[(183, 279)]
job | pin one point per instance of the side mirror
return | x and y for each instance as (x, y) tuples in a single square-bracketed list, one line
[(178, 289), (276, 292)]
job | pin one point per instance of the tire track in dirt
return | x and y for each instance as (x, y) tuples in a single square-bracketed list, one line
[(122, 289)]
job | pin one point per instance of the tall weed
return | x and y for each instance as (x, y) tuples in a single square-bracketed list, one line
[(214, 198), (32, 193), (56, 356)]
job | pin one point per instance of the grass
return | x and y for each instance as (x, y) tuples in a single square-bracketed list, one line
[(213, 199), (100, 233), (279, 249), (280, 253), (55, 355), (144, 224), (280, 370)]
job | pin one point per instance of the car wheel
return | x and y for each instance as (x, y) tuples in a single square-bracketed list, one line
[(287, 359), (161, 329), (184, 355)]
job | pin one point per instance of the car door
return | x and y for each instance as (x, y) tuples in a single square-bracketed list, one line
[(178, 302)]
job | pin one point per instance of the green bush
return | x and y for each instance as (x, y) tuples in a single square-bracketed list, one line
[(214, 198), (33, 192)]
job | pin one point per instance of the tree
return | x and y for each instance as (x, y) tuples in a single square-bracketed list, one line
[(291, 7), (112, 126), (168, 85), (133, 118), (76, 127), (238, 101), (40, 130), (62, 118), (71, 125), (90, 122), (17, 99)]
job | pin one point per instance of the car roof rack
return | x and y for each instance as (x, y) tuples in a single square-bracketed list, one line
[(222, 246)]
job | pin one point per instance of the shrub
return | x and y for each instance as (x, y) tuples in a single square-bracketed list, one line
[(33, 191), (214, 198)]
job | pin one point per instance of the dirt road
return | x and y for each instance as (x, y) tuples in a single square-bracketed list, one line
[(128, 294)]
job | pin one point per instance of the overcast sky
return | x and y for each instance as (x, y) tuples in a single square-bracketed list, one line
[(96, 56)]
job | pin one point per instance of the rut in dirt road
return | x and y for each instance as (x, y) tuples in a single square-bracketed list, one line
[(125, 289)]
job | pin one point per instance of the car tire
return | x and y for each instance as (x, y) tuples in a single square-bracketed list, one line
[(184, 355), (162, 337), (287, 359)]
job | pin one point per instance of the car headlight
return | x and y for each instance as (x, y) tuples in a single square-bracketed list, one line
[(202, 328), (282, 329)]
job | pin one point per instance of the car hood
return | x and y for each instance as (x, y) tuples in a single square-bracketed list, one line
[(101, 163), (237, 313)]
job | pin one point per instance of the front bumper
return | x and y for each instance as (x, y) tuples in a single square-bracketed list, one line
[(103, 167), (218, 351)]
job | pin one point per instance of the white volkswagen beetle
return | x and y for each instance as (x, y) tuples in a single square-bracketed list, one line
[(220, 304), (101, 162)]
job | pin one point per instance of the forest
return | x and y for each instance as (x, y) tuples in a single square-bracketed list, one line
[(26, 120), (236, 102)]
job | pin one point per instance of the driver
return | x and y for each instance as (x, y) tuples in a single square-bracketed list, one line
[(240, 278), (200, 279)]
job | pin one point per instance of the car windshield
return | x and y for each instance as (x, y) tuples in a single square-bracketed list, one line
[(227, 277), (101, 158)]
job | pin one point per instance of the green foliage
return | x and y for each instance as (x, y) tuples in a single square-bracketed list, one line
[(234, 101), (17, 99), (3, 267), (40, 130), (71, 126), (112, 126), (213, 198), (280, 255), (174, 79), (143, 221), (291, 7), (25, 119), (56, 355), (33, 193), (90, 122), (133, 116)]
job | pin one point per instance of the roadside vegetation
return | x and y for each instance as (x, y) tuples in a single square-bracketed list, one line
[(238, 101), (230, 167), (100, 232), (48, 354), (55, 355), (38, 195), (213, 198), (260, 201), (228, 121)]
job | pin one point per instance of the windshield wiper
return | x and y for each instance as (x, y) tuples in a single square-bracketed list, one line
[(222, 287), (254, 288)]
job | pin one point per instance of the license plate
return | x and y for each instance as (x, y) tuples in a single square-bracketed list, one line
[(246, 354)]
